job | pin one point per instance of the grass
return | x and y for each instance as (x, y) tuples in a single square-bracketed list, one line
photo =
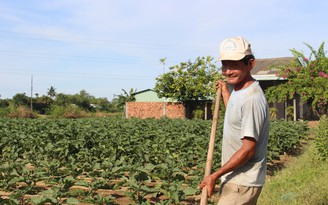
[(304, 180)]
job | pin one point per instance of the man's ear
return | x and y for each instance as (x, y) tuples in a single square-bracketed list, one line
[(251, 64)]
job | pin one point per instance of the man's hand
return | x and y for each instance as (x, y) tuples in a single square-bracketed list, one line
[(225, 91), (209, 184), (223, 85)]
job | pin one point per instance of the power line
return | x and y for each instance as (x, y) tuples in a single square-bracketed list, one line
[(76, 75), (113, 43), (75, 57)]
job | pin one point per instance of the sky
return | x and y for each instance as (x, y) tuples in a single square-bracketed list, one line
[(104, 46)]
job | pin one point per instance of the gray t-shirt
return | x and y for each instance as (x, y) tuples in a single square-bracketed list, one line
[(247, 115)]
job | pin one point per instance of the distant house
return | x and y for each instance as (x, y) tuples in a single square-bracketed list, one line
[(149, 105), (265, 72), (147, 95)]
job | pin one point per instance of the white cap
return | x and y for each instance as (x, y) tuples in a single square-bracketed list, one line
[(235, 49)]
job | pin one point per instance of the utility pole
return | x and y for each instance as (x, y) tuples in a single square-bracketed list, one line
[(163, 61), (31, 92)]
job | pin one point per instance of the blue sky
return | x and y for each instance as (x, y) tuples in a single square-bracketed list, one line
[(104, 46)]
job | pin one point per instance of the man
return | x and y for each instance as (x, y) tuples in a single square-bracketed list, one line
[(246, 128)]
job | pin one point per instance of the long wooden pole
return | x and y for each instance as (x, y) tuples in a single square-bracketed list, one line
[(210, 153)]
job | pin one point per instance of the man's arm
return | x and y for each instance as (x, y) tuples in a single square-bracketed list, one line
[(246, 151)]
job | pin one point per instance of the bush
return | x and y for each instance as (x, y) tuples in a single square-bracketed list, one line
[(70, 111), (273, 113), (4, 112), (321, 137), (198, 114), (285, 137), (56, 111), (74, 112)]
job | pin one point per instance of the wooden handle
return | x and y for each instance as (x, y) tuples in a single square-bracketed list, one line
[(210, 153)]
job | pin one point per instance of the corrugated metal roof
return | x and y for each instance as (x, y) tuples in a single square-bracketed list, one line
[(267, 66)]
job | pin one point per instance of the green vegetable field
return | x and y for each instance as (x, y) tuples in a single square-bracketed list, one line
[(114, 160)]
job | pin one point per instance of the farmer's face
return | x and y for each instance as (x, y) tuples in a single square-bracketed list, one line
[(236, 72)]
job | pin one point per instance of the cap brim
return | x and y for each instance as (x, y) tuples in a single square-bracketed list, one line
[(231, 57)]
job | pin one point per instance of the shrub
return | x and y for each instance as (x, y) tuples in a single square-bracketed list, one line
[(285, 137), (4, 112), (273, 113), (290, 112), (198, 114), (74, 112), (70, 111), (56, 111), (321, 137), (21, 112)]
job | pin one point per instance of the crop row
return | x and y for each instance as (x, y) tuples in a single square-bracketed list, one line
[(110, 153)]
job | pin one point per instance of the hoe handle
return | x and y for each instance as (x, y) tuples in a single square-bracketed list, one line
[(203, 200)]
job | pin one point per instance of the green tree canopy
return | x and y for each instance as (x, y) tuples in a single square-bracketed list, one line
[(102, 104), (41, 104), (52, 92), (189, 80), (309, 79), (20, 99), (83, 100)]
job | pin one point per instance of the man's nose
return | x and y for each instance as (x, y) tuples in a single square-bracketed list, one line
[(227, 71)]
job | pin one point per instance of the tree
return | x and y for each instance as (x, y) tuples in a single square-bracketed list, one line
[(62, 100), (83, 100), (52, 92), (102, 104), (189, 80), (4, 103), (125, 97), (42, 104), (309, 80), (163, 62), (20, 99)]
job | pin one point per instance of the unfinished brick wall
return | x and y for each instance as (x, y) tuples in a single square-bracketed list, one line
[(154, 110)]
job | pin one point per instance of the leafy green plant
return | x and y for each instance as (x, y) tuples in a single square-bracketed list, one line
[(101, 200), (57, 194), (285, 137), (321, 137), (4, 112), (273, 113), (15, 198), (136, 181), (198, 114)]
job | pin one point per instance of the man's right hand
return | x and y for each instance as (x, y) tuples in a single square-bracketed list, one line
[(225, 90), (209, 184), (223, 84)]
